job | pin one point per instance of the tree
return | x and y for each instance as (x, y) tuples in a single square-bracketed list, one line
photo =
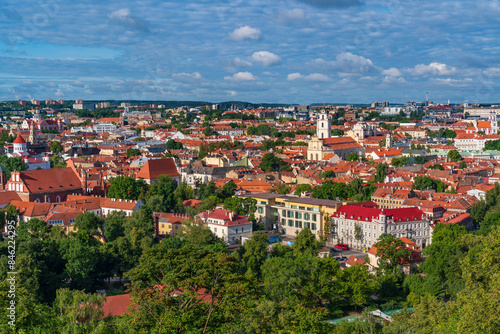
[(305, 243), (270, 163), (462, 165), (454, 155), (89, 223), (12, 164), (327, 174), (173, 145), (228, 190), (301, 188), (133, 152), (57, 162), (359, 285), (390, 252), (125, 187), (285, 168), (353, 157), (56, 147), (114, 225), (282, 189), (381, 172), (255, 252)]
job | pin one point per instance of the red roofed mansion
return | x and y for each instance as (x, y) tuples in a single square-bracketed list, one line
[(227, 225), (153, 168), (411, 223)]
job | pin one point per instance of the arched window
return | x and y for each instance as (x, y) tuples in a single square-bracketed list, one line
[(317, 156), (37, 200), (322, 124), (58, 199)]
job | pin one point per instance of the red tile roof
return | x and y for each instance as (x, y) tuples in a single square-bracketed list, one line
[(363, 213), (19, 140), (48, 180), (152, 169)]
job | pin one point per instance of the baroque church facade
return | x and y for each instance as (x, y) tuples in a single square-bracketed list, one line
[(322, 144)]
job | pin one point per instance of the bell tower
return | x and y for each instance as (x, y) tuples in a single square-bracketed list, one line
[(323, 125)]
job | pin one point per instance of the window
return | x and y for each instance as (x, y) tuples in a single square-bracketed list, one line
[(307, 216), (260, 209), (298, 215), (290, 222), (283, 221), (215, 230), (290, 214), (283, 212), (236, 230), (242, 229), (306, 224), (162, 225), (298, 224), (314, 217), (313, 226)]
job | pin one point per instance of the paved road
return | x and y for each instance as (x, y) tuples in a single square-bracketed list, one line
[(348, 253)]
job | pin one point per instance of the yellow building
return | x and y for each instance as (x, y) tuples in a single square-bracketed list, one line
[(292, 214), (168, 224)]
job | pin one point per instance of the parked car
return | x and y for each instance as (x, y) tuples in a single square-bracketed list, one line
[(344, 258), (341, 246), (338, 258)]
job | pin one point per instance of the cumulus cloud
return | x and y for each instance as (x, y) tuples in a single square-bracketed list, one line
[(392, 72), (314, 77), (242, 76), (123, 16), (332, 3), (245, 32), (266, 58), (346, 64), (434, 68)]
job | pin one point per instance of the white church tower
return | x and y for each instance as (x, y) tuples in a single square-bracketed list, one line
[(324, 125)]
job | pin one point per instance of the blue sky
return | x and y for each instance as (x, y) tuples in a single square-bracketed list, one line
[(288, 51)]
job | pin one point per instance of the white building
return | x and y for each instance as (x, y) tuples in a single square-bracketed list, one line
[(104, 127), (360, 227), (227, 225)]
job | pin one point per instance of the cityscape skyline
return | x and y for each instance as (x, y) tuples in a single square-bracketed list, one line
[(296, 52)]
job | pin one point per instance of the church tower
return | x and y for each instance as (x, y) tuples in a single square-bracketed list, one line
[(494, 123), (323, 125), (388, 140), (32, 136)]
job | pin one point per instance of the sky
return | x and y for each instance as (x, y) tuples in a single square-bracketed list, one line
[(282, 51)]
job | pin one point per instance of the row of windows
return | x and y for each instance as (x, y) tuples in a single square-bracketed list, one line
[(299, 215), (298, 224), (170, 226)]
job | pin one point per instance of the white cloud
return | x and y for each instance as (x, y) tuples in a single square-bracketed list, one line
[(245, 32), (266, 58), (314, 77), (452, 82), (434, 69), (241, 62), (347, 64), (394, 80), (232, 93), (123, 16), (194, 75), (392, 72), (242, 76), (492, 72)]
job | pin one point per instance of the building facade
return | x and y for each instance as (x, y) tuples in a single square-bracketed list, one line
[(360, 227)]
